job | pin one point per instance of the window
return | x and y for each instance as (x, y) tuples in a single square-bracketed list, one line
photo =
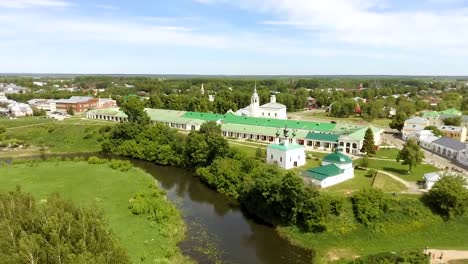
[(268, 114), (271, 157), (276, 114), (281, 159)]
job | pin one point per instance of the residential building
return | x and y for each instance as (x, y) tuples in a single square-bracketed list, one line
[(285, 154), (270, 110), (414, 125), (454, 132), (448, 148), (19, 109), (43, 104), (12, 89), (336, 168), (311, 135)]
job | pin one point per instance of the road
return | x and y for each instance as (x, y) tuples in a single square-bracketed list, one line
[(445, 256)]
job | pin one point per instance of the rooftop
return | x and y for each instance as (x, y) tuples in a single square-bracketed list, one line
[(337, 157), (273, 106), (284, 147), (450, 143), (323, 172), (322, 137), (451, 111), (75, 99)]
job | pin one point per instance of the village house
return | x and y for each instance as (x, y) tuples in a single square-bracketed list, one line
[(12, 89), (454, 132), (413, 125)]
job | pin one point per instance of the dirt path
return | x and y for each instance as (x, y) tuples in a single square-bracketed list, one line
[(444, 256), (412, 186)]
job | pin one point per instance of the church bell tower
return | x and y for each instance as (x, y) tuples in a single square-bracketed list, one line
[(255, 103)]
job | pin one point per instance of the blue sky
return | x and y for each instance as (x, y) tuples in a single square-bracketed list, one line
[(413, 37)]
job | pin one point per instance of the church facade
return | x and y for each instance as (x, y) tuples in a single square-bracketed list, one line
[(270, 110), (286, 154)]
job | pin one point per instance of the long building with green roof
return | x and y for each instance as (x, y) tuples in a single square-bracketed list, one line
[(312, 135)]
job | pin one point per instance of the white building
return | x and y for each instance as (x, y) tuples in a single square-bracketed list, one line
[(269, 110), (431, 178), (413, 125), (449, 148), (285, 154), (43, 104), (19, 110), (336, 168)]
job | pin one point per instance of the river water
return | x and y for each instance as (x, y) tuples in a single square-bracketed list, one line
[(218, 231)]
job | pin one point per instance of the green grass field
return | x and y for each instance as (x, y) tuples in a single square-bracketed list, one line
[(389, 153), (110, 190), (24, 121), (402, 170)]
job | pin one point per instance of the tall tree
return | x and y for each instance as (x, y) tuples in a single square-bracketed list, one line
[(134, 108), (411, 154), (368, 146), (448, 196), (452, 121), (398, 121)]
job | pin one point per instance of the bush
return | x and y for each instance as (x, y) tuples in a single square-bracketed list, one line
[(122, 165), (368, 205), (149, 203), (96, 160)]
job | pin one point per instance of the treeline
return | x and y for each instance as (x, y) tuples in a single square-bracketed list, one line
[(185, 94)]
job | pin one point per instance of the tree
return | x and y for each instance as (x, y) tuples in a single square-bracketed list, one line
[(368, 205), (56, 231), (398, 121), (452, 121), (368, 146), (434, 130), (39, 112), (411, 154), (259, 153), (70, 111), (134, 108), (448, 196)]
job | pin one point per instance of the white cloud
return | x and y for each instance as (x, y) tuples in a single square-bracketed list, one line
[(33, 3)]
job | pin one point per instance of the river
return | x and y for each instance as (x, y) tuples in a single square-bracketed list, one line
[(218, 231)]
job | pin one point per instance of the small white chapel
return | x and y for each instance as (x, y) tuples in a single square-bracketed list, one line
[(286, 154)]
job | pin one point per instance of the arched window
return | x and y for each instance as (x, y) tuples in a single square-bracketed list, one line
[(354, 145), (271, 157), (281, 159)]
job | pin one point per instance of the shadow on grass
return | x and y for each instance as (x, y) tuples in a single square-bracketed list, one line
[(395, 170)]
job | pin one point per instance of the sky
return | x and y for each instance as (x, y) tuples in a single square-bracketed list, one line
[(235, 37)]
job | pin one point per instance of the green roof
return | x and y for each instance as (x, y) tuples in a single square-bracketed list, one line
[(284, 147), (431, 114), (109, 111), (264, 122), (322, 137), (323, 172), (451, 111), (337, 157)]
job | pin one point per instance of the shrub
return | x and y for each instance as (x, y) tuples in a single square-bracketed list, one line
[(96, 160), (149, 203), (414, 257), (368, 205), (122, 165)]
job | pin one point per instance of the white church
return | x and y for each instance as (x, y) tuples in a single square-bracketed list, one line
[(286, 155), (269, 110)]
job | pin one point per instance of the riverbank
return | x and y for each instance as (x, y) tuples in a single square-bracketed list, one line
[(431, 232), (110, 190)]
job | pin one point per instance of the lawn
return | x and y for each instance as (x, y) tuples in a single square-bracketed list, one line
[(361, 180), (402, 170), (79, 136), (387, 153), (24, 121), (110, 190), (382, 122), (387, 184)]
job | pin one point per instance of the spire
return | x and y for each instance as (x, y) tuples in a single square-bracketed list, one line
[(255, 88)]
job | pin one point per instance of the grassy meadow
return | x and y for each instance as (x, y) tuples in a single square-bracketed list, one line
[(110, 190)]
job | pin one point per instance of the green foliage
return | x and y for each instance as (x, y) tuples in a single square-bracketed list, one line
[(343, 108), (135, 110), (38, 112), (55, 231), (260, 153), (411, 154), (448, 196), (452, 121), (413, 257), (434, 130), (121, 165), (150, 203), (368, 205), (96, 160), (364, 162), (70, 111), (368, 146), (398, 121)]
